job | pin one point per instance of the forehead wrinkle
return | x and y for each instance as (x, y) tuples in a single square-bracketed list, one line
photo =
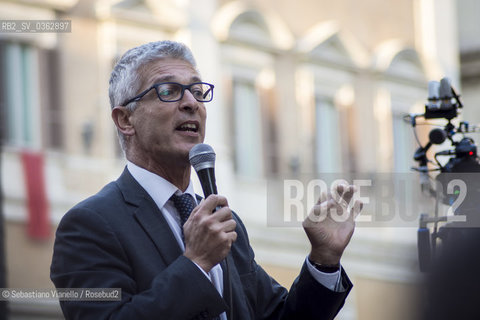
[(160, 71)]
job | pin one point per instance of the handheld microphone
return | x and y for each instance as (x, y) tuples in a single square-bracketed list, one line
[(202, 158)]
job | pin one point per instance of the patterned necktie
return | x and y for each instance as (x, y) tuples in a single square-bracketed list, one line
[(184, 204)]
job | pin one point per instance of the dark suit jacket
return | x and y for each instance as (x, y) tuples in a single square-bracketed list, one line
[(118, 238)]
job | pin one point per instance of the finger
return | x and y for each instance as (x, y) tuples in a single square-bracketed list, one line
[(337, 191), (341, 188), (232, 236), (332, 199), (320, 212), (349, 192), (229, 225), (343, 194), (221, 201), (338, 212), (213, 201), (323, 197), (222, 213), (357, 208)]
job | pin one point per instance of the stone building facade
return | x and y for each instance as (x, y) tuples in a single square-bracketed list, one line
[(303, 90)]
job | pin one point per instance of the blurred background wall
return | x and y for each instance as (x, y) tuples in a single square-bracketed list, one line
[(302, 88)]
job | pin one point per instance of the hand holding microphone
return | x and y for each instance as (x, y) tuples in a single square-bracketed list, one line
[(210, 229), (209, 235)]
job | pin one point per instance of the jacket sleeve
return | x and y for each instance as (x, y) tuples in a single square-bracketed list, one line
[(267, 299), (87, 254)]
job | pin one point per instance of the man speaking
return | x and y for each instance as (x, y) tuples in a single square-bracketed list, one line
[(147, 233)]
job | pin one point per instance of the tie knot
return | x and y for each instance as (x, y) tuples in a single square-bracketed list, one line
[(184, 205)]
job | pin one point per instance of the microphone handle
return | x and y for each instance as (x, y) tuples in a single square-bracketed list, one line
[(209, 186), (207, 180)]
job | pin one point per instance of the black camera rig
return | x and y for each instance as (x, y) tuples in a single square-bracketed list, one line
[(454, 185)]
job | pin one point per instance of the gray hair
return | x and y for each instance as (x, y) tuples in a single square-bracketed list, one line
[(125, 80)]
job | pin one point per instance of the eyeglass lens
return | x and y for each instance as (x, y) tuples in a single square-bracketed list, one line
[(173, 91)]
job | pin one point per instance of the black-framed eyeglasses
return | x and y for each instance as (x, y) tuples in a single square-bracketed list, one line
[(173, 91)]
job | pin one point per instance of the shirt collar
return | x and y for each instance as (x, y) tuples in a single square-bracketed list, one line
[(157, 187)]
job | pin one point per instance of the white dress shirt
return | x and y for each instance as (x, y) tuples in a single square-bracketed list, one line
[(161, 190)]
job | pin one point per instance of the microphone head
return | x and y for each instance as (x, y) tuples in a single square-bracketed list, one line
[(433, 90), (202, 156), (445, 90)]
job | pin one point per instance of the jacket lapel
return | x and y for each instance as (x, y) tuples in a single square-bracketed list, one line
[(233, 290), (227, 285), (153, 222), (149, 217)]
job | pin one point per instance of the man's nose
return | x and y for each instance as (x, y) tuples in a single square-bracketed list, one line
[(188, 102)]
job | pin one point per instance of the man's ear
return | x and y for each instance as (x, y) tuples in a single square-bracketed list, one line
[(121, 117)]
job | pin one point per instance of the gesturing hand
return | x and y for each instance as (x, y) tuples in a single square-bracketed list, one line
[(330, 225), (209, 236)]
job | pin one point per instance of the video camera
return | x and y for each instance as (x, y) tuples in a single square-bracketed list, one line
[(455, 185)]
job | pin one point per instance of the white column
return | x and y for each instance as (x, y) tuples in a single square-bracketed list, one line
[(206, 49), (207, 54), (437, 39)]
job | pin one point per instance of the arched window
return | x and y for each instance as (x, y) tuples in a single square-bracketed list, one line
[(332, 71), (247, 57)]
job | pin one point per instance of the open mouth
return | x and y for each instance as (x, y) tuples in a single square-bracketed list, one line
[(188, 126)]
